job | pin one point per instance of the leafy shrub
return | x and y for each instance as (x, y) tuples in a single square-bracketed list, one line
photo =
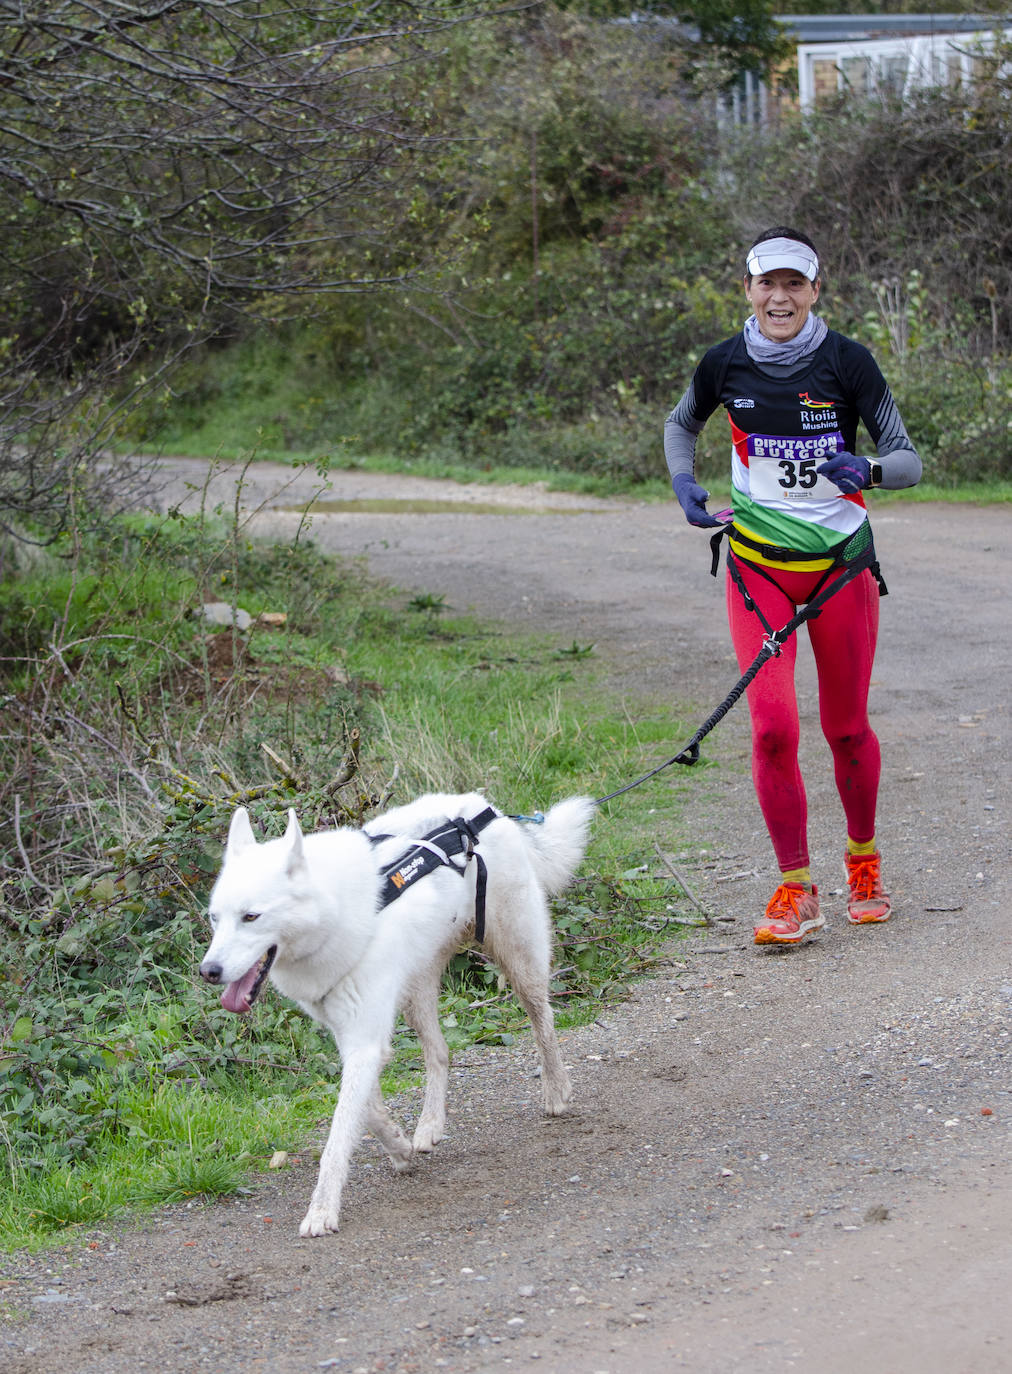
[(113, 842)]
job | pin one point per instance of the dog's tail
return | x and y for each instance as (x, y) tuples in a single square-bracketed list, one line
[(557, 846)]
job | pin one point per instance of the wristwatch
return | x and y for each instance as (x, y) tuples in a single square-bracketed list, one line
[(874, 474)]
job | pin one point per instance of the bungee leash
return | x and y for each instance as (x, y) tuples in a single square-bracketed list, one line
[(689, 753), (853, 555)]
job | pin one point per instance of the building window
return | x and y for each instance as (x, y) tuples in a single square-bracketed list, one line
[(892, 74), (825, 79), (856, 74)]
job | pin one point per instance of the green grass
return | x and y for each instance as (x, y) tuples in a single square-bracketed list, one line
[(449, 465), (280, 400), (172, 1142), (990, 492)]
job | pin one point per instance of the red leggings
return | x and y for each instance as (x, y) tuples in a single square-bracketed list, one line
[(843, 640)]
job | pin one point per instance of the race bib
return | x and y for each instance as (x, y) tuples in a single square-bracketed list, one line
[(790, 477)]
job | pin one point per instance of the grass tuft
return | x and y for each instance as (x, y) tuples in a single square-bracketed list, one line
[(185, 1176)]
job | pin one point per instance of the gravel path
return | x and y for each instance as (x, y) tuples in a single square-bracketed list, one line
[(776, 1160)]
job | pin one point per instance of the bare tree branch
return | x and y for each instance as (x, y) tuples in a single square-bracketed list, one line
[(167, 166)]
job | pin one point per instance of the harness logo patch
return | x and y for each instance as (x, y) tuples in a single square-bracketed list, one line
[(408, 872)]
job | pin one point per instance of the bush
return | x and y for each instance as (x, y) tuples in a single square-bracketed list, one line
[(117, 700)]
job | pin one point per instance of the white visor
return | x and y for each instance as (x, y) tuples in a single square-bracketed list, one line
[(773, 254)]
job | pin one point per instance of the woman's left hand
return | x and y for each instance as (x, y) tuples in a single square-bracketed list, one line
[(848, 471)]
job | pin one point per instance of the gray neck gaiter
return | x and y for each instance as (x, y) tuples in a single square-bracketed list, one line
[(763, 350)]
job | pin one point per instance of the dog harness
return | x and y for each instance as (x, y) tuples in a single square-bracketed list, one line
[(440, 847)]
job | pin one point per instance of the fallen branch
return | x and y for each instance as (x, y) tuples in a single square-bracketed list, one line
[(288, 771), (707, 920), (349, 767), (21, 848)]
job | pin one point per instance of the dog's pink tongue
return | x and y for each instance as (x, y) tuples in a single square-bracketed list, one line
[(236, 995)]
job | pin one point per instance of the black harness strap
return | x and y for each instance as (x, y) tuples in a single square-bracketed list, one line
[(439, 847), (856, 551)]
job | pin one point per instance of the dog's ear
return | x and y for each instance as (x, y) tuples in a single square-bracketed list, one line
[(295, 859), (240, 832)]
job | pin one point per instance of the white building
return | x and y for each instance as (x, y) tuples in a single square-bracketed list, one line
[(869, 54), (894, 54)]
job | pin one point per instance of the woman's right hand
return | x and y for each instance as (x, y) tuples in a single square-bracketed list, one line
[(693, 498)]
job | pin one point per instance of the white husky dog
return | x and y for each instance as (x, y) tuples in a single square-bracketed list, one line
[(308, 911)]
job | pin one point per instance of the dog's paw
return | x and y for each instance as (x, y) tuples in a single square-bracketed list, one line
[(427, 1136), (399, 1150), (556, 1096), (319, 1221)]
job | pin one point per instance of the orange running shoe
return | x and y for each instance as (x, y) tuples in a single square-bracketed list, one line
[(791, 914), (867, 901)]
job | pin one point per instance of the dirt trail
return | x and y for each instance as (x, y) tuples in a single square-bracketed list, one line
[(775, 1160)]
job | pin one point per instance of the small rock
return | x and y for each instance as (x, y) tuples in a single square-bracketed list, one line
[(220, 613), (52, 1296)]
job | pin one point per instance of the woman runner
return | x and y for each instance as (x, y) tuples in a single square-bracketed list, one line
[(794, 392)]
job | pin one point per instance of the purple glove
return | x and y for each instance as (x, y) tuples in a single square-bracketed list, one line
[(849, 472), (693, 498)]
